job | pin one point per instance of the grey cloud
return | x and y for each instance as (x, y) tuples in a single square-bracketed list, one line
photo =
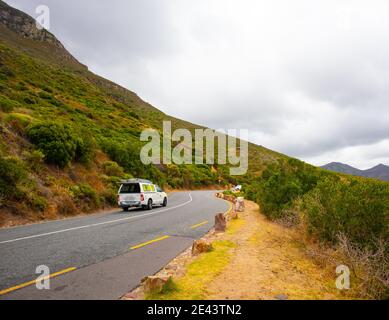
[(309, 80), (104, 32)]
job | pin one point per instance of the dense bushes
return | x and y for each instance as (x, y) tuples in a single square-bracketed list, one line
[(112, 169), (55, 141), (338, 210), (85, 196), (7, 105), (282, 184), (125, 154), (84, 149), (109, 196), (190, 175), (36, 202), (356, 208), (21, 120), (234, 193), (251, 188), (34, 159), (59, 143), (331, 204)]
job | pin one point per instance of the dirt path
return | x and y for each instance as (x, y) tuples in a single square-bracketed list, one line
[(269, 262), (254, 259)]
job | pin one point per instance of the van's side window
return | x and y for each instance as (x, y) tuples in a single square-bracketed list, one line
[(152, 187)]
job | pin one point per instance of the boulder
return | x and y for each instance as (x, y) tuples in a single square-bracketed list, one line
[(220, 222), (234, 214), (230, 198), (155, 284), (239, 204), (200, 246)]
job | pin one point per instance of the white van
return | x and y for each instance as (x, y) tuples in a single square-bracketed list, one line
[(140, 193)]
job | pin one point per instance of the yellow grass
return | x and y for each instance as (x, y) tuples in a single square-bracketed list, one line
[(255, 259), (198, 274)]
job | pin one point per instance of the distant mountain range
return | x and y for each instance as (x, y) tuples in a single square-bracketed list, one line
[(380, 171)]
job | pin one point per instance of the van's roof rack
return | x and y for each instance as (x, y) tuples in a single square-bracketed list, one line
[(134, 180)]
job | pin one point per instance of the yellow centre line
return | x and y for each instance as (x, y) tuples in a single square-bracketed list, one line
[(199, 224), (29, 283), (149, 242)]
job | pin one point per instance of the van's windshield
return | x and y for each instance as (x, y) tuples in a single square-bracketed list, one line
[(130, 188)]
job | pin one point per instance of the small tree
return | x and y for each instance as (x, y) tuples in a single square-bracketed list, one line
[(11, 174), (60, 144), (55, 140)]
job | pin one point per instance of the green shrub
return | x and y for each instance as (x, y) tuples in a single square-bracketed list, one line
[(12, 172), (132, 114), (7, 105), (281, 184), (332, 204), (85, 196), (60, 144), (250, 190), (6, 72), (356, 208), (47, 89), (34, 159), (45, 95), (111, 168), (18, 121), (37, 203), (85, 150), (21, 86), (127, 156), (56, 141), (29, 100), (235, 194), (109, 196)]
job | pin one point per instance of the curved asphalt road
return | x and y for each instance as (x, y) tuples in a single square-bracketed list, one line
[(101, 248)]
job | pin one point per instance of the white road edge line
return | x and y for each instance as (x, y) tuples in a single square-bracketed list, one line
[(98, 224)]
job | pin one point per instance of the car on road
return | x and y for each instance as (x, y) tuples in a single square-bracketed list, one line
[(237, 188), (140, 193)]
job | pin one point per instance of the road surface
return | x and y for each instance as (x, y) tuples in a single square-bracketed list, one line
[(102, 256)]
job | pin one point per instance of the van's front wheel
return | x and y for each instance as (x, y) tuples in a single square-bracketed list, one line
[(164, 203)]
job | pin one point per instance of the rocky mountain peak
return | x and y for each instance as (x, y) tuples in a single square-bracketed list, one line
[(24, 25)]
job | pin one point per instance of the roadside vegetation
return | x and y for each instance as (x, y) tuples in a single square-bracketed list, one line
[(283, 254), (193, 285), (345, 213)]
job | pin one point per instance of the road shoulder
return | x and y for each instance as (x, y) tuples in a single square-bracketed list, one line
[(255, 259)]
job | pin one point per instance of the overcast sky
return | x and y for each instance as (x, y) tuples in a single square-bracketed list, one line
[(307, 78)]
